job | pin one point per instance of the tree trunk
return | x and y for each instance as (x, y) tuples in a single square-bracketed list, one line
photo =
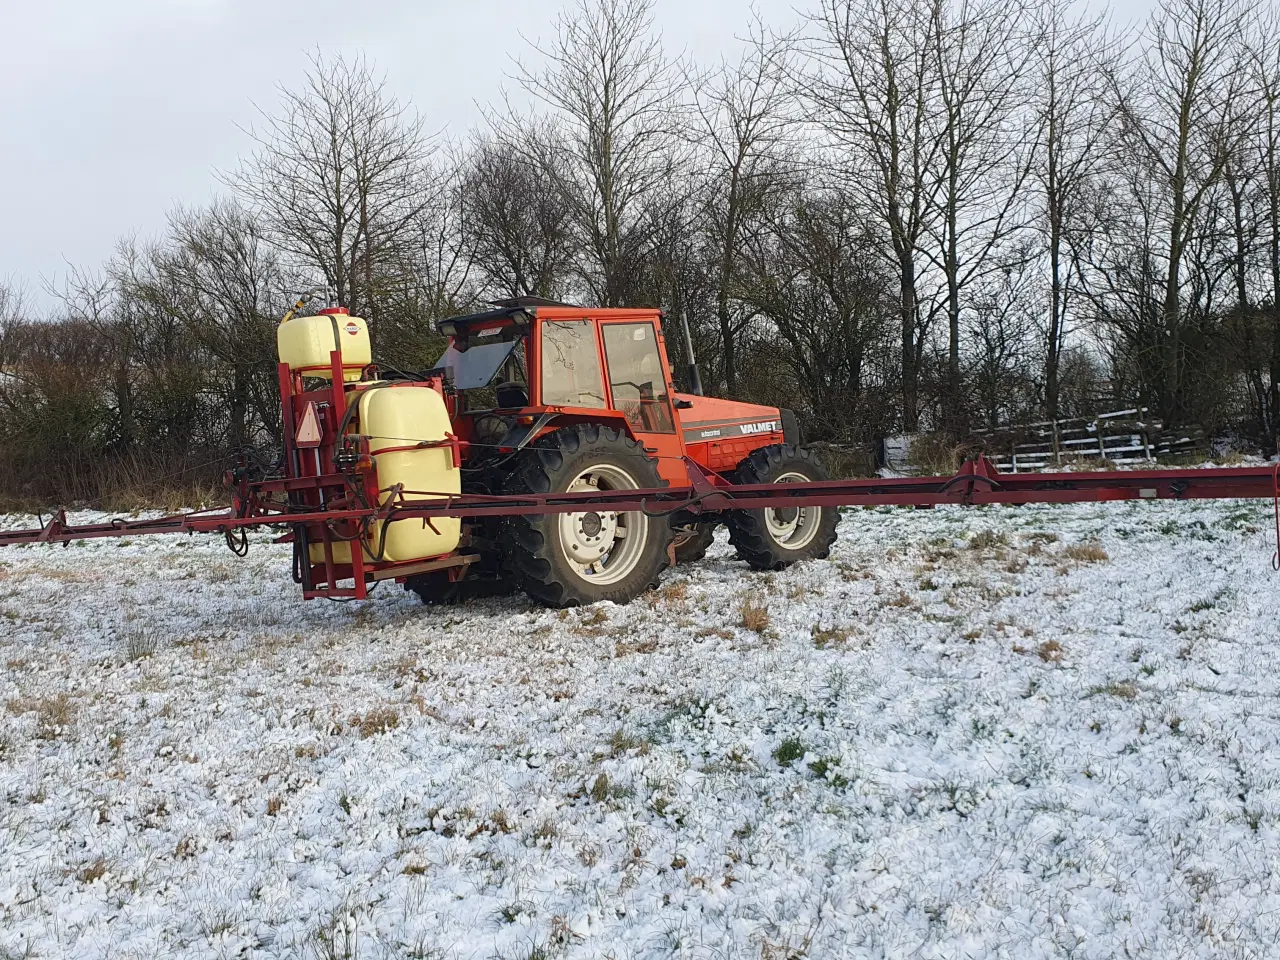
[(955, 413), (124, 408), (1053, 341), (1053, 345), (1171, 349), (1274, 217), (910, 369), (238, 433), (728, 349)]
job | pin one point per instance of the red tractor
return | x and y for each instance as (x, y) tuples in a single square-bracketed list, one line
[(548, 398)]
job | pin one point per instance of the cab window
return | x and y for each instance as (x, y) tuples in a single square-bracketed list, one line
[(636, 377), (571, 365)]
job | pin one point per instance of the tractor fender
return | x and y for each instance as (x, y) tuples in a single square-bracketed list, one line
[(550, 422), (790, 427)]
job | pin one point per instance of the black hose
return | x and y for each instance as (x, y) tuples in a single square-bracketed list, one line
[(238, 541)]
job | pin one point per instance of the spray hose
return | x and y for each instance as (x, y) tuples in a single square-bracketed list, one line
[(1275, 503)]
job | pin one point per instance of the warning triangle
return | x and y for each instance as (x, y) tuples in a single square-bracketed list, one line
[(309, 429)]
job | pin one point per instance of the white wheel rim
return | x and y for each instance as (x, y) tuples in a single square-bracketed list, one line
[(792, 527), (603, 547)]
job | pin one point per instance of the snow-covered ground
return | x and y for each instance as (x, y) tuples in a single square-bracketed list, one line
[(1012, 732)]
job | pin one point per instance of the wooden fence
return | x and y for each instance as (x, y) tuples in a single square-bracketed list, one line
[(1121, 437)]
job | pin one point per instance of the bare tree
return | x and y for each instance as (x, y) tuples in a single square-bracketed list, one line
[(981, 51), (1074, 115), (1180, 110), (431, 275), (337, 176), (874, 90), (233, 286), (614, 98), (520, 232), (745, 130), (816, 278), (13, 314), (1001, 345), (1264, 73)]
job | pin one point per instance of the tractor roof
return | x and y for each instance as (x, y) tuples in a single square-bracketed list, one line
[(524, 309), (519, 309)]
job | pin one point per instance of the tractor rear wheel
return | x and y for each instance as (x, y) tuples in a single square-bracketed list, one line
[(777, 537), (568, 559)]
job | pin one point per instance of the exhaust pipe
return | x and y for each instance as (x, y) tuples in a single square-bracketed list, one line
[(695, 379)]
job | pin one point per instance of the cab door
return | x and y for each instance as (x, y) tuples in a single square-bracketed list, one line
[(636, 373)]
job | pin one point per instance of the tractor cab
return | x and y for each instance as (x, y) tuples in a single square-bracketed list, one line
[(533, 366)]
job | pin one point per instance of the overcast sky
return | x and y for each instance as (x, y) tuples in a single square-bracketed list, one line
[(114, 111)]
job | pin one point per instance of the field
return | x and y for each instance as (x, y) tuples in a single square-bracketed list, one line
[(1031, 732)]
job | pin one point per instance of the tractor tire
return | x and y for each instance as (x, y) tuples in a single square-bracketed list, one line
[(435, 589), (693, 541), (775, 538), (570, 559)]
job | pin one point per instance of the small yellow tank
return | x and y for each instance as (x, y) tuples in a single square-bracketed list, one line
[(394, 417), (306, 342)]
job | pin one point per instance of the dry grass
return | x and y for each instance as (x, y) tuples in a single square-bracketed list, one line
[(626, 649), (1122, 689), (785, 949), (140, 642), (1091, 463), (938, 454), (833, 637), (378, 720), (1087, 552), (592, 617), (673, 592), (1050, 651), (987, 539), (1016, 565), (54, 715), (754, 615), (622, 742), (599, 791), (719, 632), (93, 871)]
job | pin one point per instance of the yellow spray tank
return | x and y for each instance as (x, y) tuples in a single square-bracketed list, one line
[(396, 418), (305, 343)]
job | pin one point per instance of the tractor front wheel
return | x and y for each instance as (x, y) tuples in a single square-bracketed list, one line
[(777, 537), (568, 559), (693, 540)]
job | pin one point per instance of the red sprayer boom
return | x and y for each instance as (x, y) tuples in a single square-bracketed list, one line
[(978, 482)]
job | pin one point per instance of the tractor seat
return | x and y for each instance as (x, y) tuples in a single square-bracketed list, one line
[(511, 395)]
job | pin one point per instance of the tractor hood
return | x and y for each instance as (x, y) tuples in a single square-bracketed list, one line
[(711, 419)]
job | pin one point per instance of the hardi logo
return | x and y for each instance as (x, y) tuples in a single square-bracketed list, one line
[(353, 328), (765, 426)]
